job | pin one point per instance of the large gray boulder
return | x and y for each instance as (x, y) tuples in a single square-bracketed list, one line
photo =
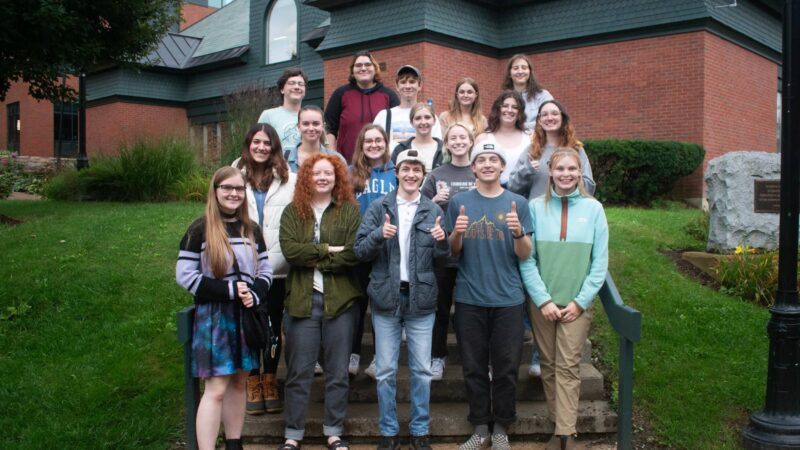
[(733, 222)]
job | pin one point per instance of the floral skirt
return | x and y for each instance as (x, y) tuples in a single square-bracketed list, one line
[(217, 349)]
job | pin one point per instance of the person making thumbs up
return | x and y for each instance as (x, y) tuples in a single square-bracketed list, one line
[(401, 234), (490, 232)]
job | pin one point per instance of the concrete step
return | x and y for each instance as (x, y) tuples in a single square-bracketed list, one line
[(451, 387), (447, 420), (453, 355)]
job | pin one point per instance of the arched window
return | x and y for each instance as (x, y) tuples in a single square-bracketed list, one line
[(282, 31)]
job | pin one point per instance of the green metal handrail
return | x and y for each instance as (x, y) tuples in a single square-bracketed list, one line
[(191, 390), (627, 322)]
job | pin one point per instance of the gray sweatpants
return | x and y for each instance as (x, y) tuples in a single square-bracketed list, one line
[(303, 336)]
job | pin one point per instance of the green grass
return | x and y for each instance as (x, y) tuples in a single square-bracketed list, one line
[(90, 360), (94, 361), (700, 367)]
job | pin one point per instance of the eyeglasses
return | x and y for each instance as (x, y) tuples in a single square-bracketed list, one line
[(228, 188), (373, 141), (295, 83), (365, 65)]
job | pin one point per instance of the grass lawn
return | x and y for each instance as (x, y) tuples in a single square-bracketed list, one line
[(91, 360), (700, 368)]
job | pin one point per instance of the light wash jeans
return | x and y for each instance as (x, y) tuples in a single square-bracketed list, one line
[(387, 352)]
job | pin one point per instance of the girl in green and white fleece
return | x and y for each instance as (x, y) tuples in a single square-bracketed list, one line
[(565, 271)]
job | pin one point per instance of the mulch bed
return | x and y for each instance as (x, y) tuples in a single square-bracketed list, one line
[(686, 268)]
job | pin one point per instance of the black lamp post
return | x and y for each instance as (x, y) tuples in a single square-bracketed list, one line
[(83, 161), (777, 426)]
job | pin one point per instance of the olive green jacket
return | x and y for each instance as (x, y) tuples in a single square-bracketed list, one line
[(338, 227)]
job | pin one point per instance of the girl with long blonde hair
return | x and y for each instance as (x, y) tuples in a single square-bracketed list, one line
[(465, 108), (565, 271), (223, 263)]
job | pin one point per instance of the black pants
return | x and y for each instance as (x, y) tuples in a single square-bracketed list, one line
[(446, 282), (275, 297), (362, 274), (490, 335)]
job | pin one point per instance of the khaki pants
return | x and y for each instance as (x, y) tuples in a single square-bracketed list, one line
[(561, 346)]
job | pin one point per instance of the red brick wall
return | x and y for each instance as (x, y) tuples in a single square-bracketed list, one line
[(194, 13), (684, 87), (113, 124), (36, 121), (740, 102)]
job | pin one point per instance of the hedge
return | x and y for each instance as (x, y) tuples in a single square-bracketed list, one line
[(637, 172)]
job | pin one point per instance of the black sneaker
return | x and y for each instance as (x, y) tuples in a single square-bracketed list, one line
[(389, 443), (420, 443)]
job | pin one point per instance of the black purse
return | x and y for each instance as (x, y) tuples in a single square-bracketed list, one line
[(258, 332)]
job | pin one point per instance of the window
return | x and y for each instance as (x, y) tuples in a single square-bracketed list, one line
[(218, 3), (65, 129), (13, 126), (281, 32)]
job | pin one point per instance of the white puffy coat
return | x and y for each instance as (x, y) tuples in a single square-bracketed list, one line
[(278, 197)]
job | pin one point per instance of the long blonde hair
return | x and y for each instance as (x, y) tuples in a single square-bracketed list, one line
[(475, 114), (559, 154), (219, 253)]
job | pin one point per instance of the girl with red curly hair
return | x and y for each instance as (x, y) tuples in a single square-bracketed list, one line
[(317, 233)]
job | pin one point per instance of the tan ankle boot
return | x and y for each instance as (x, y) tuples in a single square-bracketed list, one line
[(272, 399), (255, 395)]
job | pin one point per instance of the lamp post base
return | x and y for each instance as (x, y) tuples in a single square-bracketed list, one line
[(769, 431)]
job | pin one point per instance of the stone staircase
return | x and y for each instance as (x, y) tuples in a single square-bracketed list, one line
[(448, 407)]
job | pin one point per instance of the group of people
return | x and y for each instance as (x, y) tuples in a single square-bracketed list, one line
[(379, 203)]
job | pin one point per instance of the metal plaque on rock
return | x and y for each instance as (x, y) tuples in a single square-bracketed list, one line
[(767, 196)]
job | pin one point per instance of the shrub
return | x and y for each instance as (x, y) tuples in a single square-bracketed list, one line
[(750, 275), (194, 187), (146, 171), (64, 186), (243, 107), (636, 172)]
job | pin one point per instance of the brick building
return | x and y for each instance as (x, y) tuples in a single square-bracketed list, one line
[(703, 71)]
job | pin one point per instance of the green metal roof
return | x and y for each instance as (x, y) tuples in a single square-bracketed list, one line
[(225, 28)]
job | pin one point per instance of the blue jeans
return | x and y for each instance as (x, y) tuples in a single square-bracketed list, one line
[(387, 346)]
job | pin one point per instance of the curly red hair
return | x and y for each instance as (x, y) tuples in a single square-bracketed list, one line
[(304, 189)]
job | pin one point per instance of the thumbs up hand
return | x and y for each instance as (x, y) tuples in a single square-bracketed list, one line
[(462, 222), (512, 221), (437, 232), (389, 230)]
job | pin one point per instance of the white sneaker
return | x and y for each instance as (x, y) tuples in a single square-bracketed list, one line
[(437, 368), (476, 442), (535, 369), (371, 370), (353, 366), (317, 369)]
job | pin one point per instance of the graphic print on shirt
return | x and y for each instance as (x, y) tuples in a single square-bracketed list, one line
[(290, 133), (377, 186), (486, 230)]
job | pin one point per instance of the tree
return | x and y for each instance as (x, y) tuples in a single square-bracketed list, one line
[(40, 40)]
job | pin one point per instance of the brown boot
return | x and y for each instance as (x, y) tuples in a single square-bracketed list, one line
[(272, 400), (255, 396)]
